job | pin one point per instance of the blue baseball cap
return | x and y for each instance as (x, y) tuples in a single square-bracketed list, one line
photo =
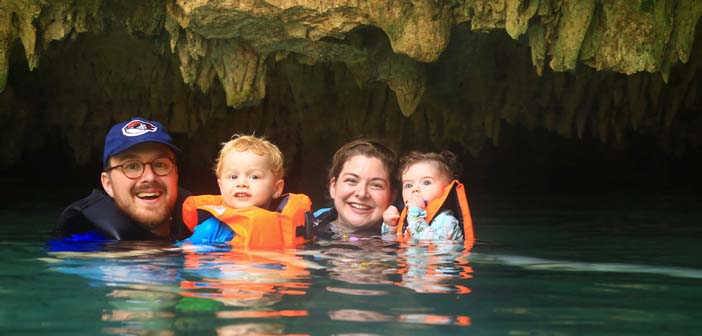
[(126, 134)]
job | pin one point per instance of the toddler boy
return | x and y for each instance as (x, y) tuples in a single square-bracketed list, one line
[(251, 210)]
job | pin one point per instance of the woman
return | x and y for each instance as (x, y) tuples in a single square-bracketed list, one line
[(361, 187)]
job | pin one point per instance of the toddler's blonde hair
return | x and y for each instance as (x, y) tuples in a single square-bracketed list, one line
[(260, 146)]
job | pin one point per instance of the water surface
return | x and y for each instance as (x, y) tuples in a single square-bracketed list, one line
[(616, 268)]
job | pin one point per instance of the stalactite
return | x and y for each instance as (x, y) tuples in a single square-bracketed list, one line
[(518, 14), (603, 68), (572, 27)]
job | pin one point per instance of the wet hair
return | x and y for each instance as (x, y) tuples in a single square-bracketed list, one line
[(446, 162), (258, 145), (373, 148)]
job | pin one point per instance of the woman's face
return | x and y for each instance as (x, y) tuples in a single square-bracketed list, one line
[(361, 193)]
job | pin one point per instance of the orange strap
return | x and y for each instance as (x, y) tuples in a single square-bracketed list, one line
[(433, 208)]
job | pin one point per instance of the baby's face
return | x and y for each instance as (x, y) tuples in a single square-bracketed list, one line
[(424, 179), (247, 180)]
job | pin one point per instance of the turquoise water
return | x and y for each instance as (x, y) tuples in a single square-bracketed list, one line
[(538, 269)]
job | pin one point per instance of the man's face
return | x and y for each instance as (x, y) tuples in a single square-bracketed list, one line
[(148, 199)]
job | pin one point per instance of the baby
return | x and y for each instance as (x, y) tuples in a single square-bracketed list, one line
[(426, 179), (251, 210)]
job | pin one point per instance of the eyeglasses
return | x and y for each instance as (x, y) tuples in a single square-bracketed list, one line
[(134, 168)]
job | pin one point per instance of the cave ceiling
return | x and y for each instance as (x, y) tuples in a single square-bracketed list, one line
[(447, 72)]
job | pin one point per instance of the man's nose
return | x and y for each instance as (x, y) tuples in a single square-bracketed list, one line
[(148, 173)]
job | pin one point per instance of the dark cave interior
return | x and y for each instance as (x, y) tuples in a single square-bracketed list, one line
[(525, 162)]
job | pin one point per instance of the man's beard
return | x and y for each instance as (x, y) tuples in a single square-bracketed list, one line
[(150, 220)]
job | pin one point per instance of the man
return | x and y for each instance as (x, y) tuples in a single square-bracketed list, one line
[(141, 198)]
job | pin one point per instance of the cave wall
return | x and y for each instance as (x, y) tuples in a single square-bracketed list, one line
[(311, 75)]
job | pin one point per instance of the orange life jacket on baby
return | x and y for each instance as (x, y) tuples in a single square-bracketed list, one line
[(454, 198), (253, 226)]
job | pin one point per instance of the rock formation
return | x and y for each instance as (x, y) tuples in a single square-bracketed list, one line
[(447, 73)]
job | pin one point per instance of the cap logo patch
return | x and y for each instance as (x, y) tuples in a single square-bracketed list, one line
[(137, 128)]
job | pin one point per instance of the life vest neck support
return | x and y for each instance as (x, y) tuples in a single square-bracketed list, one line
[(454, 198), (255, 227), (99, 211)]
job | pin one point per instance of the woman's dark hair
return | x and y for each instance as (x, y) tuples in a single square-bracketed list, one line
[(374, 148), (446, 162)]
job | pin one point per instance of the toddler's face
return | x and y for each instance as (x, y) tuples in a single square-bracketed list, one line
[(424, 179), (247, 180)]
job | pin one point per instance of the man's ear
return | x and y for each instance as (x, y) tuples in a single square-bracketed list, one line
[(107, 184), (278, 188)]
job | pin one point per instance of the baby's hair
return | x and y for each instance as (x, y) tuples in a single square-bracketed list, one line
[(258, 145), (446, 162)]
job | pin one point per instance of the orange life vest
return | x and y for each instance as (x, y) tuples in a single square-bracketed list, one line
[(454, 199), (254, 227)]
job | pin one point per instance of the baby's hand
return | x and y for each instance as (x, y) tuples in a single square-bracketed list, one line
[(391, 216), (416, 201)]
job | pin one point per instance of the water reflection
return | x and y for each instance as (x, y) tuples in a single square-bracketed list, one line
[(357, 315), (374, 267), (422, 266), (360, 262), (529, 279), (245, 278), (251, 329), (141, 282), (434, 267), (154, 289)]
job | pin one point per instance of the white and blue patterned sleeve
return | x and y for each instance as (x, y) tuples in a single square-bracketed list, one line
[(444, 225), (387, 229)]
